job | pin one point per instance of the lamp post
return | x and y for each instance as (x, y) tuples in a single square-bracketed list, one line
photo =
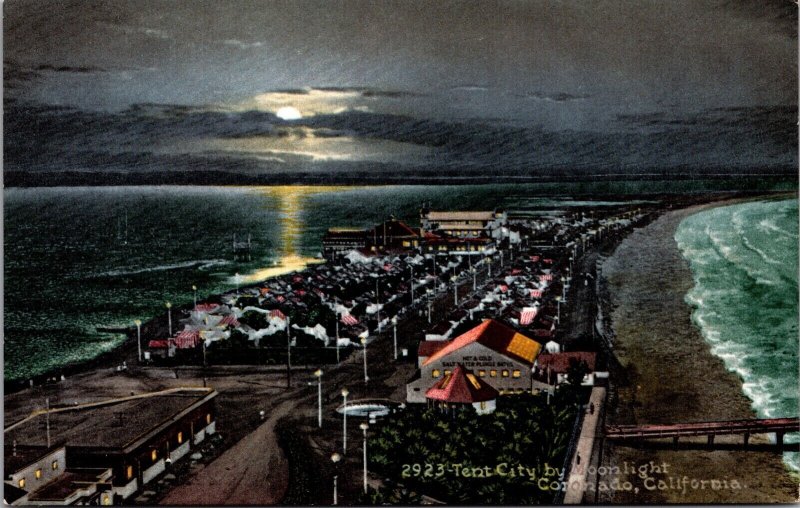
[(474, 279), (377, 302), (169, 317), (318, 374), (429, 306), (138, 324), (338, 316), (288, 353), (335, 458), (412, 283), (455, 291), (394, 324), (564, 289), (364, 426), (345, 393), (364, 344), (558, 307), (194, 288)]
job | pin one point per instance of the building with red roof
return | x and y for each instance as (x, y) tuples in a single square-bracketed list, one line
[(462, 388), (500, 355)]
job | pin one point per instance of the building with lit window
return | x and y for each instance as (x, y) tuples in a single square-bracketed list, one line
[(465, 224), (462, 388), (496, 353), (135, 437), (38, 476)]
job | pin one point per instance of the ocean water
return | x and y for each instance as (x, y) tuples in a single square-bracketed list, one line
[(744, 259), (71, 264)]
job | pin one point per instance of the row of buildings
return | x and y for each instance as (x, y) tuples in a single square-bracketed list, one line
[(102, 453)]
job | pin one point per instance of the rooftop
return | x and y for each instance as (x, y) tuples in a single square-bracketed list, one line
[(461, 386), (496, 336), (114, 424), (440, 216)]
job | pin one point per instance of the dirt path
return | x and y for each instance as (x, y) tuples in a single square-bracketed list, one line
[(253, 472)]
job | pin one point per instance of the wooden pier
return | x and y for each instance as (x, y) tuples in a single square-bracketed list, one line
[(779, 426)]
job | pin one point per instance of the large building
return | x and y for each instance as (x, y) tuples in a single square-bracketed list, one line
[(465, 224), (496, 353), (388, 236), (134, 437)]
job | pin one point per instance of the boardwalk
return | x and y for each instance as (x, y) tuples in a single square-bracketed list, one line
[(779, 426)]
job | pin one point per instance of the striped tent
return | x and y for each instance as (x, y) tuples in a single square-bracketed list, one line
[(187, 339), (528, 315), (536, 293), (349, 319)]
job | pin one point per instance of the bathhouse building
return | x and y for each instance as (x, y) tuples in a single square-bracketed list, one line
[(496, 353)]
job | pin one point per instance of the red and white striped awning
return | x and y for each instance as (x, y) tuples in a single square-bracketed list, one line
[(206, 307), (349, 320), (547, 276), (527, 316), (187, 339), (536, 293), (276, 313), (229, 320)]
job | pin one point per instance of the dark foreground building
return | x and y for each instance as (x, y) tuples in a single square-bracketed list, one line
[(122, 444)]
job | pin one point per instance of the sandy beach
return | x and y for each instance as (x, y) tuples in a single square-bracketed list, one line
[(673, 377)]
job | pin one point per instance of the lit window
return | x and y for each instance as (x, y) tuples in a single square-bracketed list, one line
[(483, 405), (54, 465), (492, 373), (481, 373), (180, 437), (38, 474), (129, 472), (516, 373), (154, 455), (435, 373), (208, 418), (406, 243), (505, 373), (106, 500), (446, 372), (21, 483)]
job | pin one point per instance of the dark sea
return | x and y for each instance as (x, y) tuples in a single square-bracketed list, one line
[(81, 258)]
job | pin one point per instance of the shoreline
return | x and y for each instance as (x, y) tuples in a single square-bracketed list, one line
[(671, 374)]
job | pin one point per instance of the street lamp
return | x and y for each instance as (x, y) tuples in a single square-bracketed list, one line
[(489, 263), (364, 344), (169, 317), (412, 283), (394, 324), (474, 279), (558, 306), (345, 393), (335, 458), (564, 289), (338, 316), (429, 305), (364, 426), (237, 282), (455, 290), (377, 299), (194, 288), (318, 374), (138, 324), (288, 353)]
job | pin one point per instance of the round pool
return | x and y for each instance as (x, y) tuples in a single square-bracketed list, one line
[(370, 410)]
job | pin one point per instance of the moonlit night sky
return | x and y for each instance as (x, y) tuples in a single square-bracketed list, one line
[(368, 87)]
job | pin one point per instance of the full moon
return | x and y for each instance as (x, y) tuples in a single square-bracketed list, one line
[(288, 113)]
